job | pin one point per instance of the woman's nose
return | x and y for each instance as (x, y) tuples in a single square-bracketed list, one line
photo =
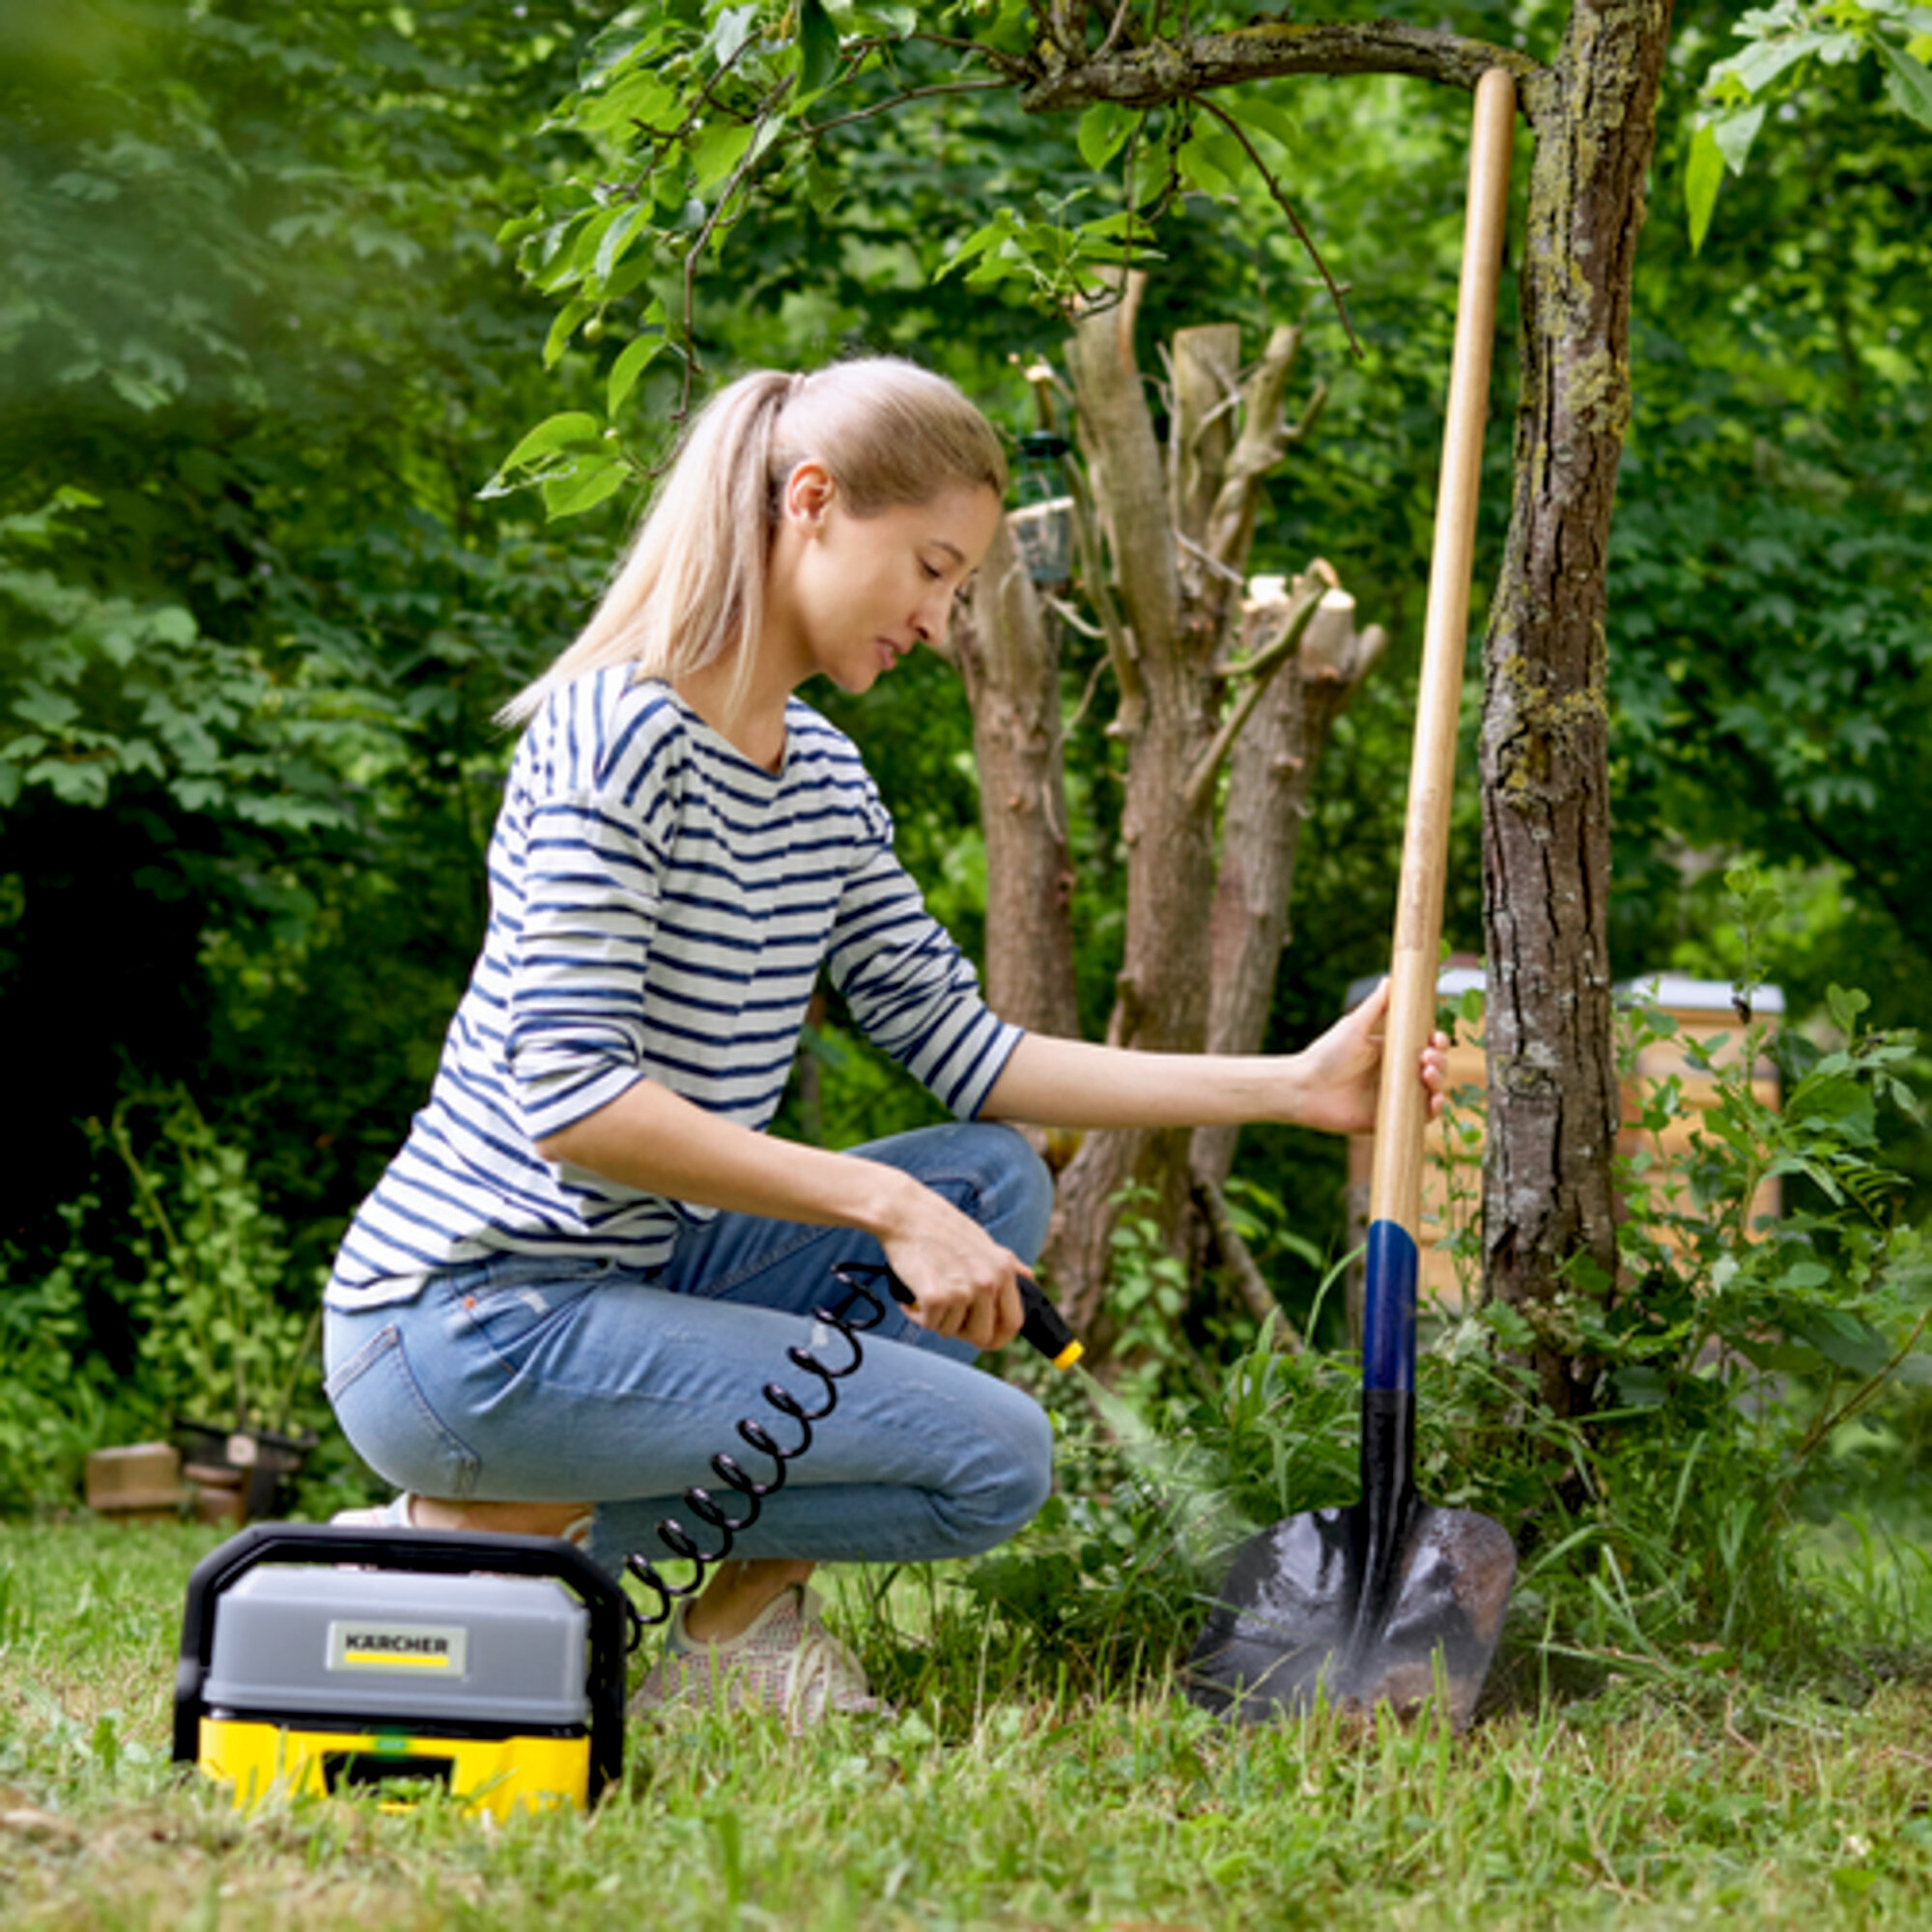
[(932, 617)]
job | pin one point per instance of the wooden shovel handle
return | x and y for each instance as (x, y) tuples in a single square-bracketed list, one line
[(1396, 1188)]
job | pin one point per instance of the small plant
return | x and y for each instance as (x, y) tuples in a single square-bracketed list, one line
[(1147, 1297), (52, 1393), (216, 1341)]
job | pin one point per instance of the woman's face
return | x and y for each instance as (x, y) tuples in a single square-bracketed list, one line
[(864, 590)]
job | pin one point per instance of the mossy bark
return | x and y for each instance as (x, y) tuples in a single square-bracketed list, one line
[(1543, 756)]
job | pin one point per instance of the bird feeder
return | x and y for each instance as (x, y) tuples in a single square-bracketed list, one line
[(1043, 526)]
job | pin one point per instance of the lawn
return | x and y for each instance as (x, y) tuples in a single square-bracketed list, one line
[(1678, 1798)]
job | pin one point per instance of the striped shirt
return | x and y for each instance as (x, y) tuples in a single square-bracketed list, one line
[(660, 909)]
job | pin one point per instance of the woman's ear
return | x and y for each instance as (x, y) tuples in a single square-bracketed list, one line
[(808, 495)]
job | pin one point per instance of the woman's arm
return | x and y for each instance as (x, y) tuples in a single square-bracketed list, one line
[(1332, 1084), (653, 1140)]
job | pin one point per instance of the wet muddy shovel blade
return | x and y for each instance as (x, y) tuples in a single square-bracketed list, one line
[(1389, 1600), (1379, 1602)]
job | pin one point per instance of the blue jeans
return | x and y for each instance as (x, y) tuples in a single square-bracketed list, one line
[(519, 1380)]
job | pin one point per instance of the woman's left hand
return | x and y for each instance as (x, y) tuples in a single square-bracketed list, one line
[(1339, 1074)]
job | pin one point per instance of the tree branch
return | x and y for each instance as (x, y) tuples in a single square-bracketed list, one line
[(1258, 671), (1267, 49), (811, 130), (1282, 202), (1263, 441)]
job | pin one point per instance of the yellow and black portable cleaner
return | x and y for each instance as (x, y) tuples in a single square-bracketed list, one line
[(316, 1659)]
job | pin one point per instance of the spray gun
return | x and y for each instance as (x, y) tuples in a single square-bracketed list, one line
[(1044, 1326)]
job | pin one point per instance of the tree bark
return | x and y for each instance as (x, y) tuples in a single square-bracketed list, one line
[(1553, 1111), (1178, 522), (1005, 648), (1161, 993), (1270, 775)]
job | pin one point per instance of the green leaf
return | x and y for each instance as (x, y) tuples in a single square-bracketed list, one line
[(900, 22), (46, 709), (1761, 64), (732, 30), (1843, 1339), (554, 433), (1201, 163), (1701, 181), (585, 488), (1846, 1006), (1264, 113), (1908, 82), (1735, 133), (1104, 128), (637, 357), (637, 97), (817, 48), (1000, 229), (717, 149), (618, 237), (563, 328), (1642, 1387)]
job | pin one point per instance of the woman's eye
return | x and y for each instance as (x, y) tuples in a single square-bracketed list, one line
[(930, 573)]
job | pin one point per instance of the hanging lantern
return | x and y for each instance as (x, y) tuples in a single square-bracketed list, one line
[(1043, 526)]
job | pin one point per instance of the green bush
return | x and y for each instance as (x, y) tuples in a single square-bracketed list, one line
[(1666, 1529)]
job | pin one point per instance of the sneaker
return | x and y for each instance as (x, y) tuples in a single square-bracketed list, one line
[(785, 1660), (400, 1512)]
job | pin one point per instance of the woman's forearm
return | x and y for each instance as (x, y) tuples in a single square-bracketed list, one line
[(1332, 1084), (1071, 1083), (658, 1143)]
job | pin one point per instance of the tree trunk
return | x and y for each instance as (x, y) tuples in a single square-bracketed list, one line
[(1177, 523), (1003, 646), (1552, 1110), (1269, 776), (1163, 651)]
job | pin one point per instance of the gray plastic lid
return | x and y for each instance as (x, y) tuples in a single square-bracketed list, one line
[(398, 1646)]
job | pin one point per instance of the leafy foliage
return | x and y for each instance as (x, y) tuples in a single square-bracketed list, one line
[(1736, 1357), (1781, 40)]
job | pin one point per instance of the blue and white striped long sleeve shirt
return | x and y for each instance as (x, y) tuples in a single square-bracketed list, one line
[(661, 908)]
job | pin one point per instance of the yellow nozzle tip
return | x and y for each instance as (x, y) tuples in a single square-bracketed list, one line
[(1069, 1355)]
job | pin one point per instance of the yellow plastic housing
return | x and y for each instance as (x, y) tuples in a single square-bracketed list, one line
[(494, 1775)]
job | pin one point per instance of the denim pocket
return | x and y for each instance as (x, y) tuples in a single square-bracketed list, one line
[(391, 1425)]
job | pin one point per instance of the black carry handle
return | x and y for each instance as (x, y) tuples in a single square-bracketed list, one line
[(1044, 1326), (440, 1553)]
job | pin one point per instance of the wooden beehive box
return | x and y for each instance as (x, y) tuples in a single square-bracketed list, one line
[(1452, 1186)]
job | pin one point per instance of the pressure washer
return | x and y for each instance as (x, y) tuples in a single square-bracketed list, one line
[(324, 1660)]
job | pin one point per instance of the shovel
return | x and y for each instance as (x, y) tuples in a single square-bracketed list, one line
[(1391, 1600)]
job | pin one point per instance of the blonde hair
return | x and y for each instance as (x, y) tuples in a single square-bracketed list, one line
[(692, 586)]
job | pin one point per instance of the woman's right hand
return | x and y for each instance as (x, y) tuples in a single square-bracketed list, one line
[(964, 1283)]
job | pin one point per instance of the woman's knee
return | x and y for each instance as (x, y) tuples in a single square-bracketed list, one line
[(1012, 1185), (1009, 1481)]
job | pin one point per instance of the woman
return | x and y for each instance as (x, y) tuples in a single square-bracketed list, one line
[(588, 1257)]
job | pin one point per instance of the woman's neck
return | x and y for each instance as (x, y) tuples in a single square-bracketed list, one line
[(757, 728)]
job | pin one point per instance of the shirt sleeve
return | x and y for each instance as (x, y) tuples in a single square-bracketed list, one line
[(912, 991), (586, 926)]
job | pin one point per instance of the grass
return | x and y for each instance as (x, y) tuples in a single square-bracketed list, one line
[(1659, 1800)]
